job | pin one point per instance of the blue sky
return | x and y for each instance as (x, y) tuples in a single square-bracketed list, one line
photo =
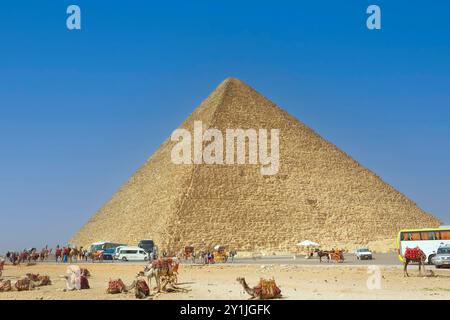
[(80, 111)]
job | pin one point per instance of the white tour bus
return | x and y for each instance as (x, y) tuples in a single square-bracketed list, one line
[(428, 240), (131, 254)]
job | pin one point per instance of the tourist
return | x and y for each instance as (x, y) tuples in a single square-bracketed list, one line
[(232, 254), (80, 254), (66, 252), (58, 253)]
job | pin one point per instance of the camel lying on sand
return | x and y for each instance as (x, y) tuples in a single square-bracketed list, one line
[(266, 289), (141, 289)]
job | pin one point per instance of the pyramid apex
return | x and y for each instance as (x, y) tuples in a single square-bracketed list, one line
[(233, 80)]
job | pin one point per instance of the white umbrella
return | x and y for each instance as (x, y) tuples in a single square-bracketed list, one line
[(307, 243)]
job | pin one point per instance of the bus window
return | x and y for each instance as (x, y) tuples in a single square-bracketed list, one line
[(432, 235), (404, 236), (415, 236), (425, 236), (445, 235)]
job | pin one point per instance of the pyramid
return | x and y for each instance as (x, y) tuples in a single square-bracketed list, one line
[(319, 193)]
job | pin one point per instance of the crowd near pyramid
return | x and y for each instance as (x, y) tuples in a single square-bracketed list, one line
[(318, 192)]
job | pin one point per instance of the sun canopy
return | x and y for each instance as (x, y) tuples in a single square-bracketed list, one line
[(307, 243)]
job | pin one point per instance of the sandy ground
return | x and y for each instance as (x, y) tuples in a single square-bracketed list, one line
[(218, 282)]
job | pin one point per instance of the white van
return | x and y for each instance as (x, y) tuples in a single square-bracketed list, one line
[(131, 254), (116, 252)]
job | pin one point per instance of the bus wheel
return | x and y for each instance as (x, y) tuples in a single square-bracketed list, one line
[(124, 259), (430, 258)]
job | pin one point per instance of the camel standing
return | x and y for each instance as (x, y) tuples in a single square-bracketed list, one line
[(322, 253), (43, 255), (337, 255), (34, 256), (414, 255), (73, 255), (23, 257), (12, 256)]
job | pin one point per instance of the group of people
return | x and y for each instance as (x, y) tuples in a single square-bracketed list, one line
[(68, 254), (208, 257)]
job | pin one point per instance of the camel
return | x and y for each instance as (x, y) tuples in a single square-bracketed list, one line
[(34, 256), (162, 269), (141, 289), (12, 256), (116, 286), (322, 253), (337, 255), (38, 280), (172, 276), (73, 255), (24, 256), (5, 285), (266, 289), (43, 255), (413, 255), (26, 284)]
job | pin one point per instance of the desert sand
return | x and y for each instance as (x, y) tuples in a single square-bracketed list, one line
[(218, 282)]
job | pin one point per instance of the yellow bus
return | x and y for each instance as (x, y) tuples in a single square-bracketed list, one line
[(428, 240)]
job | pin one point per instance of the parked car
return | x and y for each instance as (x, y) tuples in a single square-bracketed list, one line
[(132, 254), (363, 254), (442, 257)]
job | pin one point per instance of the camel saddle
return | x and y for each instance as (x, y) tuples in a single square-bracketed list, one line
[(41, 280), (23, 284), (5, 285), (413, 253), (115, 286), (267, 289), (141, 290), (162, 263)]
